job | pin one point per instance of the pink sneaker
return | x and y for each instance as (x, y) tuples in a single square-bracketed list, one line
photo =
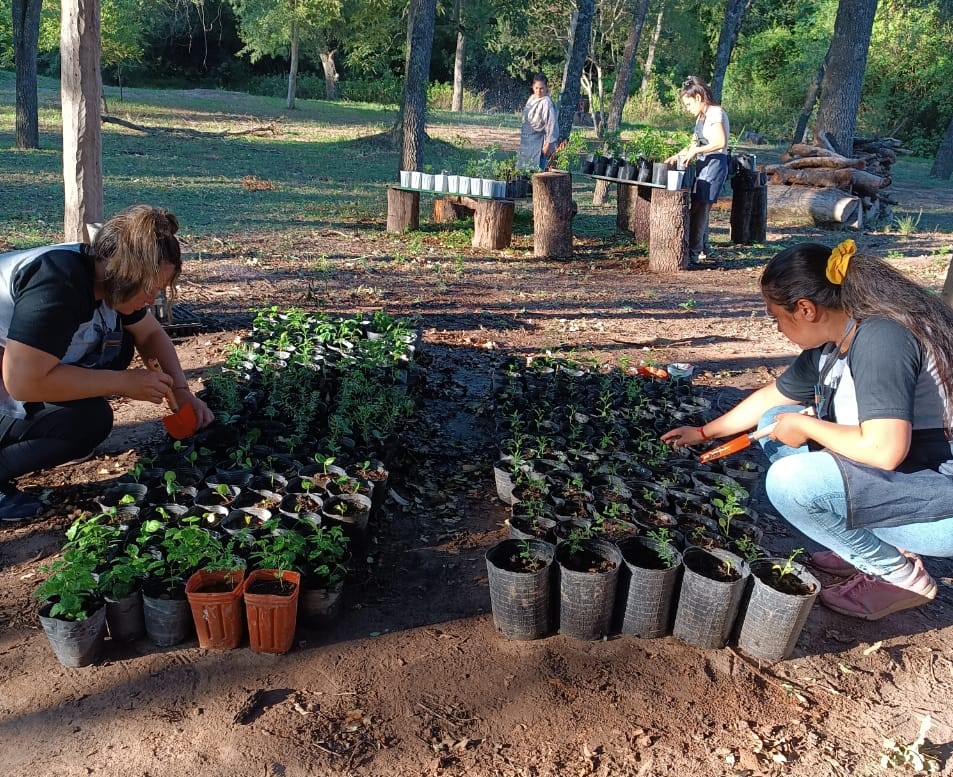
[(871, 598), (828, 561)]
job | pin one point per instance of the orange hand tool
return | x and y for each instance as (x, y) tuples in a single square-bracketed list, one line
[(183, 421), (743, 441)]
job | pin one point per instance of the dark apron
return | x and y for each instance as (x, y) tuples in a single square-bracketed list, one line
[(918, 491)]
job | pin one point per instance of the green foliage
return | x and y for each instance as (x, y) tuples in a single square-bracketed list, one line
[(70, 585), (326, 554), (278, 549), (440, 98), (666, 548)]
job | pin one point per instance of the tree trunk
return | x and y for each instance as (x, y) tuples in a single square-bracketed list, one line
[(553, 212), (650, 55), (943, 163), (569, 99), (623, 73), (293, 69), (403, 210), (668, 227), (330, 74), (735, 12), (794, 206), (844, 75), (632, 215), (80, 88), (493, 224), (809, 100), (623, 82), (413, 107), (26, 31), (459, 57)]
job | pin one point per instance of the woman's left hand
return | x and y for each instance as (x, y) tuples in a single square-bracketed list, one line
[(203, 415)]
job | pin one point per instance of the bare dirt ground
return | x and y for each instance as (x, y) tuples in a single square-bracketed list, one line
[(412, 679)]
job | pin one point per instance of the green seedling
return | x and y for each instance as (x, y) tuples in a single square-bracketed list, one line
[(666, 548), (530, 560), (787, 566)]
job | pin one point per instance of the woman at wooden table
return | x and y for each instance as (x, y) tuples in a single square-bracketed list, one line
[(709, 147), (870, 476), (538, 132), (70, 316)]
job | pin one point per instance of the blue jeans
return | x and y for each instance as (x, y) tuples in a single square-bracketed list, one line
[(807, 489)]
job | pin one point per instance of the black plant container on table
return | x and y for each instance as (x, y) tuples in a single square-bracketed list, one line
[(521, 599), (587, 587), (773, 619), (600, 165), (713, 583)]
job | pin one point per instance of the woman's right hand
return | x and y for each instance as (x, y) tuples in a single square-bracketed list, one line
[(146, 385), (684, 436)]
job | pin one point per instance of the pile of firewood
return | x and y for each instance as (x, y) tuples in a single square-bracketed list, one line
[(853, 190)]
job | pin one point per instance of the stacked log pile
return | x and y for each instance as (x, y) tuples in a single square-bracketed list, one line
[(815, 184)]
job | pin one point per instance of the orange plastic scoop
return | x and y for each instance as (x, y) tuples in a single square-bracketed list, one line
[(183, 422)]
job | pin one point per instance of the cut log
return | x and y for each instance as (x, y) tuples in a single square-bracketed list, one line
[(451, 209), (834, 162), (632, 214), (668, 239), (797, 206), (868, 185), (403, 210), (553, 212), (819, 177), (798, 150), (493, 224)]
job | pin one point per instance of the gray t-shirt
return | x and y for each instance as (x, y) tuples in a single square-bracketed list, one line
[(886, 373)]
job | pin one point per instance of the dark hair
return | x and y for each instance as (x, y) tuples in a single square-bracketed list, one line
[(695, 87), (134, 244), (871, 287), (539, 77)]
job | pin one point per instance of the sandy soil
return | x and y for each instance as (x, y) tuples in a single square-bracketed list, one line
[(412, 679)]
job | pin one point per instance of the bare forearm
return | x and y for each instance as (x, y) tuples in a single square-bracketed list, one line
[(746, 414), (66, 382)]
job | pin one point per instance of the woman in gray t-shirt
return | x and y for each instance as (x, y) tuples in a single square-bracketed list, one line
[(870, 476)]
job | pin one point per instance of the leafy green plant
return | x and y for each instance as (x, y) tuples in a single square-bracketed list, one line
[(785, 568), (278, 549), (747, 548), (70, 586), (574, 145), (531, 561), (325, 554), (666, 546)]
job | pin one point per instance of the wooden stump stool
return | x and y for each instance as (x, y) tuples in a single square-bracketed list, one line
[(493, 224), (668, 241), (553, 212), (633, 204), (403, 209)]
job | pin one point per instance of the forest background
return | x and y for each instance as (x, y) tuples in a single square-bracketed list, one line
[(356, 50)]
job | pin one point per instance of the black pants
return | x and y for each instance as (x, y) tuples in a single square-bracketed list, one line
[(56, 432)]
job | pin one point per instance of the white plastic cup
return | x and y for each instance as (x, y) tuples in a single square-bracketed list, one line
[(453, 184), (440, 182), (675, 178), (426, 181), (405, 179), (463, 185), (414, 179)]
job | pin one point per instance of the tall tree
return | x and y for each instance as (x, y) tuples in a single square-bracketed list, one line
[(80, 90), (623, 82), (943, 162), (653, 44), (569, 98), (278, 27), (735, 12), (411, 121), (459, 57), (26, 33), (844, 77)]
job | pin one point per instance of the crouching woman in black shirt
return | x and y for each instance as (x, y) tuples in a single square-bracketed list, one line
[(70, 316)]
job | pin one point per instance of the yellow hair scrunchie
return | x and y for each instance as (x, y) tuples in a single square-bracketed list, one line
[(837, 264)]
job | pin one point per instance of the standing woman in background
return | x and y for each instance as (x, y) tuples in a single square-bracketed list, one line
[(538, 131), (710, 147)]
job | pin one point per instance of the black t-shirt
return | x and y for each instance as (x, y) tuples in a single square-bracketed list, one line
[(54, 301)]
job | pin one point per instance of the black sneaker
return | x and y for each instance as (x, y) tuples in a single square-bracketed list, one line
[(17, 506)]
